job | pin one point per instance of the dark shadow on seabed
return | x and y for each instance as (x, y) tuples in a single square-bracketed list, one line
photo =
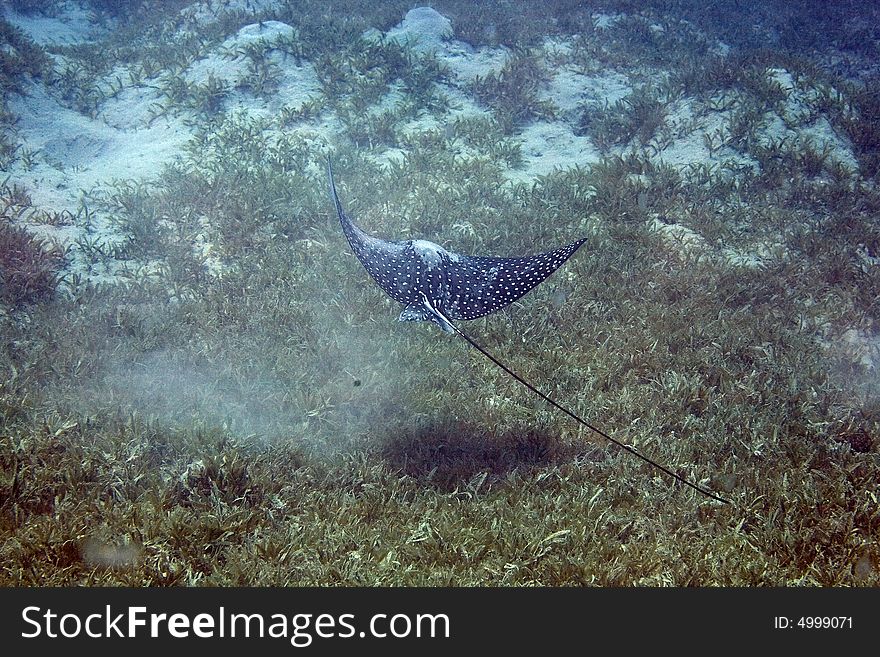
[(446, 458)]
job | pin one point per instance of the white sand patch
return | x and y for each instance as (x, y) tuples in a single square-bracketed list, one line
[(422, 124), (422, 30), (228, 63), (467, 63), (425, 31), (684, 152), (694, 131), (74, 25), (551, 145), (557, 48), (390, 101), (689, 145), (688, 243), (866, 259), (604, 88), (720, 48), (548, 146), (801, 124), (819, 136), (822, 137), (604, 21), (691, 245), (395, 156), (76, 153), (759, 255), (783, 78), (861, 347), (208, 11), (463, 105), (131, 108), (295, 85), (568, 90), (775, 131)]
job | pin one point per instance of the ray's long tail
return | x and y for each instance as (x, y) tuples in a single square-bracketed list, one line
[(579, 419)]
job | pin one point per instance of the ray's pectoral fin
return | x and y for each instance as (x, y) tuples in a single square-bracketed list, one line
[(422, 311)]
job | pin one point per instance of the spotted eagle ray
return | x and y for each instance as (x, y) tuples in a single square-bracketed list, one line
[(438, 285)]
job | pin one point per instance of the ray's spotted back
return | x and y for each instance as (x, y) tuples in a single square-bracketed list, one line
[(439, 285)]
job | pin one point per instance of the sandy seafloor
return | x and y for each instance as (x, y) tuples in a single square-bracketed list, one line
[(71, 153), (76, 153), (68, 154)]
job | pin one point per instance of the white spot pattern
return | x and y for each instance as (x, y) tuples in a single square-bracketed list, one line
[(461, 287)]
